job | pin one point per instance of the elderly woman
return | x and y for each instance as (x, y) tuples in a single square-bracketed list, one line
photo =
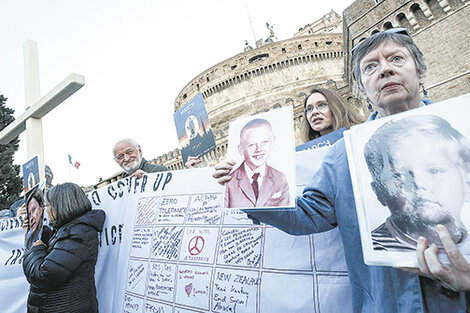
[(61, 271), (326, 111), (389, 69)]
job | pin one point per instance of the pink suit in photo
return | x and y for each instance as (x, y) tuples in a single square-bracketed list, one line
[(274, 191)]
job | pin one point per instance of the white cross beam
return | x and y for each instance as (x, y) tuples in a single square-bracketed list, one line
[(37, 107)]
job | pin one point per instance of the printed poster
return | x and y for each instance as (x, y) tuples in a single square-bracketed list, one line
[(264, 175), (194, 129), (30, 174), (411, 172)]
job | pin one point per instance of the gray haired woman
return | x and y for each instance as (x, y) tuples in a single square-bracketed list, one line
[(61, 271)]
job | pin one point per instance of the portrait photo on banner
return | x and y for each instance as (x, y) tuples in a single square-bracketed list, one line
[(264, 175), (410, 173)]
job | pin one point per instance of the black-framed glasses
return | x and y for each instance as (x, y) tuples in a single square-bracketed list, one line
[(321, 107), (396, 30)]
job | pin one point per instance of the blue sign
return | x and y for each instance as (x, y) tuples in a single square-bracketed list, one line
[(194, 129), (30, 174), (323, 141)]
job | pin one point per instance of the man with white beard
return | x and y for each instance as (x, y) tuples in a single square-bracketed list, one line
[(128, 154)]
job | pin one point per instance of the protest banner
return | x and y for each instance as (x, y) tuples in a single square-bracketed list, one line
[(168, 246)]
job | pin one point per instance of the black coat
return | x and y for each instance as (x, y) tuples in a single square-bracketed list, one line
[(62, 274)]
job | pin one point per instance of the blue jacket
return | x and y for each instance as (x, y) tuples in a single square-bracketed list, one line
[(328, 202)]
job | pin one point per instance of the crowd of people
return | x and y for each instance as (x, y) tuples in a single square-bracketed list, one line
[(389, 70)]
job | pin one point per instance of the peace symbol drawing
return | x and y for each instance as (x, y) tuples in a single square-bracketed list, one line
[(196, 244)]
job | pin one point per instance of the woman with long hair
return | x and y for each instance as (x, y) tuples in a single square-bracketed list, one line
[(326, 111)]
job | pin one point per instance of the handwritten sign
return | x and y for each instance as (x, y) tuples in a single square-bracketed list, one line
[(141, 242), (136, 277), (236, 217), (193, 286), (240, 246), (146, 211), (132, 304), (205, 209), (235, 291), (161, 283), (156, 307), (166, 242), (199, 244), (172, 209)]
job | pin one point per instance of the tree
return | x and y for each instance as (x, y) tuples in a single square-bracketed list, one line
[(10, 181)]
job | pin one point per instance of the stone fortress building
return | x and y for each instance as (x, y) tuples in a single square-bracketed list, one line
[(281, 73), (272, 75)]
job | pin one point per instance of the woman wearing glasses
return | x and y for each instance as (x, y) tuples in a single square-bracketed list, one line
[(62, 271), (326, 111), (389, 70)]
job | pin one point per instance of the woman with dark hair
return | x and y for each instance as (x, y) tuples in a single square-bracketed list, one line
[(326, 111), (61, 271)]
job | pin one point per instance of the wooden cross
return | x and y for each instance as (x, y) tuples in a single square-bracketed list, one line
[(37, 107)]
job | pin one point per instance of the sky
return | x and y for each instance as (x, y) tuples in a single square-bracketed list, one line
[(136, 56)]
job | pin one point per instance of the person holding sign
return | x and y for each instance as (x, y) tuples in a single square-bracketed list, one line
[(326, 111), (255, 183), (61, 271), (389, 70), (128, 154)]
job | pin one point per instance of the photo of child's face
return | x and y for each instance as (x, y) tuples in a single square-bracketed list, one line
[(427, 184), (255, 145), (35, 214)]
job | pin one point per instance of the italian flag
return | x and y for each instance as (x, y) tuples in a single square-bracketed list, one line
[(73, 162)]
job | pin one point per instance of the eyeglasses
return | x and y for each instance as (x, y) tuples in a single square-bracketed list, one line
[(320, 107), (397, 30), (120, 156)]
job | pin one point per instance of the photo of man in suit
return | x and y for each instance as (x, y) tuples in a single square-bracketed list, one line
[(254, 183)]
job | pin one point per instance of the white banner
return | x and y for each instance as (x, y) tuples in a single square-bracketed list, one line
[(168, 246)]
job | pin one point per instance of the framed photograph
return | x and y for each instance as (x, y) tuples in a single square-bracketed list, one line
[(194, 130), (410, 173), (264, 176)]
